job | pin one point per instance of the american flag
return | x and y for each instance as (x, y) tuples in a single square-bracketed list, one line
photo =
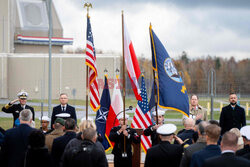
[(142, 117), (91, 63)]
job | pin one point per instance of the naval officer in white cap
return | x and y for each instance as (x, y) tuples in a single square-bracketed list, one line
[(165, 152), (123, 158), (15, 109), (151, 130)]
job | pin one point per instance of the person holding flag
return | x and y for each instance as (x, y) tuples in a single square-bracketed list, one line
[(151, 130), (123, 158)]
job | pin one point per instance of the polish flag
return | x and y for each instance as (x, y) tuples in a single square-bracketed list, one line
[(132, 64), (116, 108)]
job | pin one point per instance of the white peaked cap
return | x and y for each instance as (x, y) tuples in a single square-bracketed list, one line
[(89, 118), (245, 131), (160, 112), (22, 94), (45, 118), (120, 116), (63, 115), (166, 129)]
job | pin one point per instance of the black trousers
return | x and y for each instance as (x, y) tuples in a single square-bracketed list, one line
[(119, 161)]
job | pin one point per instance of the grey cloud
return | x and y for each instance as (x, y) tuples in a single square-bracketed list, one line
[(178, 3)]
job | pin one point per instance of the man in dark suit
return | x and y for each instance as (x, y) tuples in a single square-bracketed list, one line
[(245, 152), (123, 158), (151, 130), (87, 153), (232, 116), (227, 158), (164, 152), (211, 150), (64, 107), (16, 141), (199, 145), (15, 109), (60, 143)]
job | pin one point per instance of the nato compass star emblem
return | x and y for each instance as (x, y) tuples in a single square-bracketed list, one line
[(103, 112)]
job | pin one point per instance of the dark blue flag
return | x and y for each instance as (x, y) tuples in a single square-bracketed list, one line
[(151, 103), (171, 91), (102, 113)]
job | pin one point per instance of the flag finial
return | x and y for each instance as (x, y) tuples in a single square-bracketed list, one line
[(87, 5), (150, 26)]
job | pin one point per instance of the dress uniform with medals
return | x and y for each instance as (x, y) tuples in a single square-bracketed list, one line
[(123, 158), (150, 131), (15, 109), (164, 152)]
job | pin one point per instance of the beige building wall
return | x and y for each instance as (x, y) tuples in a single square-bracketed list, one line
[(3, 76), (29, 72), (4, 27)]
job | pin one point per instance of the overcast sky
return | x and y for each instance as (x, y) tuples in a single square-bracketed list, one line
[(199, 27)]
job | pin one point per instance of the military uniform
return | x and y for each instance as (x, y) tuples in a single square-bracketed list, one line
[(186, 136), (199, 110), (15, 109), (118, 150), (164, 152), (152, 133), (149, 131)]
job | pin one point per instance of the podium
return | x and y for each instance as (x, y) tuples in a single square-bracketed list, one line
[(136, 157)]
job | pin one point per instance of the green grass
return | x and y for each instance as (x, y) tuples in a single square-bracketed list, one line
[(7, 122)]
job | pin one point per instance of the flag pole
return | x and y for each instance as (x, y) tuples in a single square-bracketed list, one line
[(124, 86), (87, 5), (154, 74)]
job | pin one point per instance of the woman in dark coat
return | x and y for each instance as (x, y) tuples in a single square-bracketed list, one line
[(37, 154)]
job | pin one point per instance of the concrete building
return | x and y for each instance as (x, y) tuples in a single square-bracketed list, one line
[(29, 72), (24, 27)]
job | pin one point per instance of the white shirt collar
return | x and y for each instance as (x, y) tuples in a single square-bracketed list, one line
[(65, 106)]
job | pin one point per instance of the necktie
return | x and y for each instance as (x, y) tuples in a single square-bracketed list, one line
[(63, 109)]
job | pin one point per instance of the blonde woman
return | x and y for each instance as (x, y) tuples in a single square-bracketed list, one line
[(236, 131), (84, 124)]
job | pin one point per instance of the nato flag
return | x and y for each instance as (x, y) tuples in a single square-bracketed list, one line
[(171, 91), (102, 114)]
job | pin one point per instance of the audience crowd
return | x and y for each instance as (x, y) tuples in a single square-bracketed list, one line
[(201, 143)]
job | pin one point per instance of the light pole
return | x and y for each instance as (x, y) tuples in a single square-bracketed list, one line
[(213, 90), (50, 72)]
